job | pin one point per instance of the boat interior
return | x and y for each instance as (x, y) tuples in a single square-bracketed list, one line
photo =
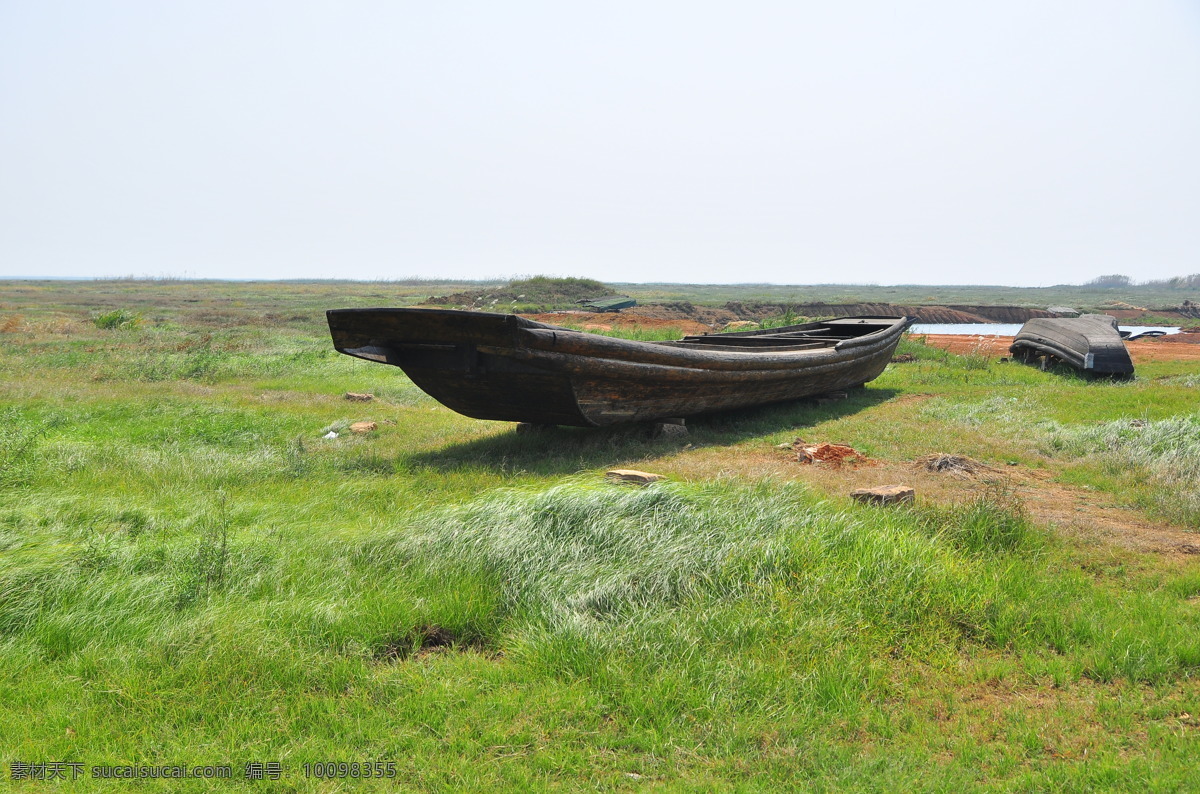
[(792, 337)]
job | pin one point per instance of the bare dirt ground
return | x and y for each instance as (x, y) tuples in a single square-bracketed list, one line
[(1086, 515), (1177, 347)]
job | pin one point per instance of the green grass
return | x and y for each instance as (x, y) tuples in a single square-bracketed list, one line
[(117, 319), (190, 574)]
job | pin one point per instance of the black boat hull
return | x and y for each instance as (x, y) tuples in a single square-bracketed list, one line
[(508, 368), (1091, 344)]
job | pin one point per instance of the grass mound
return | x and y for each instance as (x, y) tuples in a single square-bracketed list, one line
[(538, 293), (117, 319)]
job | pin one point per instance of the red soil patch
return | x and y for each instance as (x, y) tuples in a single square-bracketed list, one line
[(964, 345), (1176, 347), (835, 455)]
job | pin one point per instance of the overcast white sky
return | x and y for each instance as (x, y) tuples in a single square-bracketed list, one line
[(1016, 142)]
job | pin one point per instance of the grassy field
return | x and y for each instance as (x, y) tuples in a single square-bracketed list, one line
[(191, 574), (208, 300)]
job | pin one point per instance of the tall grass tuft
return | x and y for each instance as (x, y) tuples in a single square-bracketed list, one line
[(995, 522), (19, 439), (117, 319)]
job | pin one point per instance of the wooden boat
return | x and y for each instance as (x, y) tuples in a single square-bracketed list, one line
[(1090, 343), (505, 367)]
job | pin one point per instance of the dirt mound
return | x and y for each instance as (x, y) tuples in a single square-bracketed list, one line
[(834, 455), (1188, 309), (1188, 338), (1004, 314), (683, 310), (1124, 306), (536, 290)]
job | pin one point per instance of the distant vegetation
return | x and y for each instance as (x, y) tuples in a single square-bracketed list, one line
[(538, 293), (1177, 282), (1110, 282), (1118, 281)]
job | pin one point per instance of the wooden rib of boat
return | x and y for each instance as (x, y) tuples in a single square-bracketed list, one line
[(1091, 344), (505, 367)]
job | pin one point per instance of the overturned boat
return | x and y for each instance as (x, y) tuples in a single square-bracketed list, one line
[(1090, 343), (508, 368)]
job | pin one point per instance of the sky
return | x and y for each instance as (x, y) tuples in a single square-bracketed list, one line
[(1024, 142)]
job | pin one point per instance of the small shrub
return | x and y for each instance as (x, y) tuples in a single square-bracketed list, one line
[(18, 442), (117, 319), (995, 522), (208, 569), (789, 317)]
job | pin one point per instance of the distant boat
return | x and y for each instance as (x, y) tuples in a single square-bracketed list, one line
[(610, 303), (508, 368), (1090, 343)]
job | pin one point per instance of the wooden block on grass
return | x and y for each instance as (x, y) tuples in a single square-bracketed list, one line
[(884, 495), (633, 476)]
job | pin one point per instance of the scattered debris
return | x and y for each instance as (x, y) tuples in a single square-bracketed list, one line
[(832, 454), (786, 445), (1126, 306), (884, 495), (669, 428), (633, 476), (829, 397), (533, 427), (427, 641), (363, 427), (330, 435), (358, 397), (957, 465), (903, 358)]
